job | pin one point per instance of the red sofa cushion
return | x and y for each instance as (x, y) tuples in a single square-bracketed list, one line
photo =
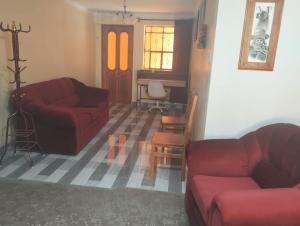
[(86, 116), (290, 160), (59, 92), (229, 155), (63, 121), (280, 166), (274, 138), (257, 207), (83, 116), (68, 101), (205, 188), (268, 176)]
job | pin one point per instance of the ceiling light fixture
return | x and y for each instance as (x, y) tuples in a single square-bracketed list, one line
[(127, 17)]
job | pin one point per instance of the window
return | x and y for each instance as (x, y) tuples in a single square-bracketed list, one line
[(159, 47)]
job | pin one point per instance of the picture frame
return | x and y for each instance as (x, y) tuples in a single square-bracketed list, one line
[(260, 35), (196, 25), (199, 21)]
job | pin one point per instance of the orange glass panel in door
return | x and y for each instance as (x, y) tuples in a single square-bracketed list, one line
[(124, 51), (111, 50)]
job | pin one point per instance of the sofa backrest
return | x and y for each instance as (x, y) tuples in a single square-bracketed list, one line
[(58, 92), (280, 164)]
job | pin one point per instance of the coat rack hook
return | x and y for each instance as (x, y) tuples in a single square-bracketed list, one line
[(23, 68), (12, 70)]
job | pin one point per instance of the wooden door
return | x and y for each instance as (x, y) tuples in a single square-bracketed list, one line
[(117, 54)]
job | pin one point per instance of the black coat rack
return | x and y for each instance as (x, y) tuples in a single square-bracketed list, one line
[(20, 125)]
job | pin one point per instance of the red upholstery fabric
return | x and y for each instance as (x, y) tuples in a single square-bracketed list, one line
[(91, 97), (273, 138), (268, 207), (205, 188), (290, 160), (69, 101), (268, 157), (268, 176), (280, 145), (253, 149), (216, 218), (230, 156), (67, 113), (192, 209)]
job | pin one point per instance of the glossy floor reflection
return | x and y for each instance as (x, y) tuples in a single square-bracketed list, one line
[(117, 157)]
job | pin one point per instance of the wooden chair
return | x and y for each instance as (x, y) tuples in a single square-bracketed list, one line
[(175, 122), (172, 145)]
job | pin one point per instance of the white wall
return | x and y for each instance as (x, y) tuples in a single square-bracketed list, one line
[(79, 44), (201, 68), (5, 87), (61, 43), (240, 101)]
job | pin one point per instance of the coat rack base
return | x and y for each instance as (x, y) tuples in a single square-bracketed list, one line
[(21, 129)]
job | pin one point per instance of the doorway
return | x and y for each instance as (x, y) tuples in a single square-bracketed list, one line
[(117, 62)]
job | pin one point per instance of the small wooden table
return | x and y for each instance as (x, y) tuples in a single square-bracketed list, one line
[(169, 146)]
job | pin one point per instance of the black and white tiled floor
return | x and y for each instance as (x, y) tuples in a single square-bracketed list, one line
[(117, 157)]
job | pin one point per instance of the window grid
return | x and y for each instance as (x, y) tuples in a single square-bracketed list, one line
[(162, 52)]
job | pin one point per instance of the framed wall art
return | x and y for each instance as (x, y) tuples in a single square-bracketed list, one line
[(199, 24), (196, 25), (260, 36)]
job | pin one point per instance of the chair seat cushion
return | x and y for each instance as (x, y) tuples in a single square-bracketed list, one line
[(169, 139), (173, 120), (205, 188)]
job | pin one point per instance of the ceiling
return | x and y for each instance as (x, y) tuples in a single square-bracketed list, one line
[(147, 6)]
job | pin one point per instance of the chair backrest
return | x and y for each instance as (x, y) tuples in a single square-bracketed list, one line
[(190, 118), (189, 103), (156, 89)]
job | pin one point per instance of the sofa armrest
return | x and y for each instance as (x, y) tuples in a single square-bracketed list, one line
[(51, 115), (271, 207), (227, 157), (91, 96)]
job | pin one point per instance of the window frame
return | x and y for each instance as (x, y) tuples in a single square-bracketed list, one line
[(150, 51)]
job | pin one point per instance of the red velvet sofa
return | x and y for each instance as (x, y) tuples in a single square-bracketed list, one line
[(67, 113), (251, 181)]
